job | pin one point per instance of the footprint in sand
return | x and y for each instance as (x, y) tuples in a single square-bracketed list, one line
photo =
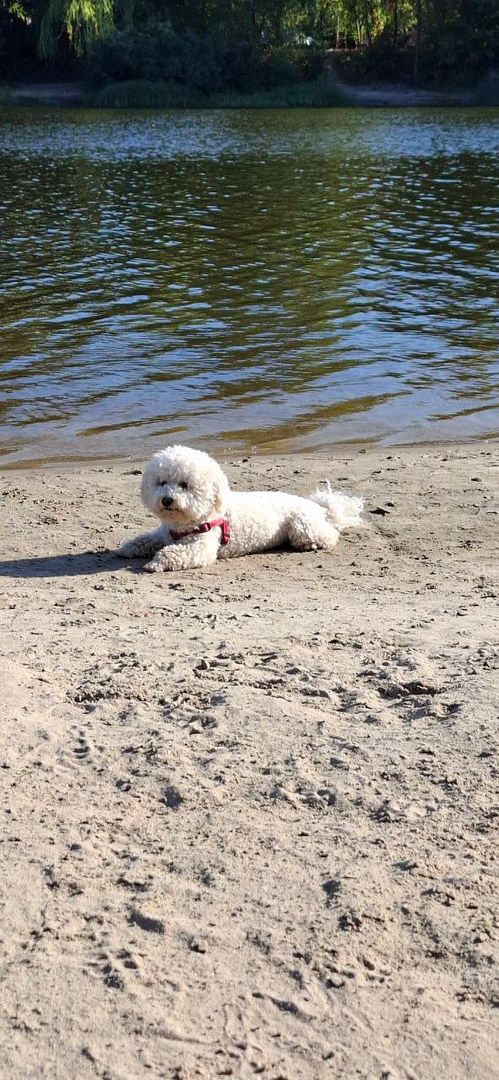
[(114, 969), (82, 750)]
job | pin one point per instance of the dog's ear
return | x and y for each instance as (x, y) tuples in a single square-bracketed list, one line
[(221, 493)]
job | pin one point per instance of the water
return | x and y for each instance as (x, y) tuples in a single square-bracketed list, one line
[(271, 279)]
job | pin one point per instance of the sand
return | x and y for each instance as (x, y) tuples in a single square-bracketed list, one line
[(250, 812)]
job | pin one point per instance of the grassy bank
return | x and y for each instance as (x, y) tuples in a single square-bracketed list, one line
[(143, 94)]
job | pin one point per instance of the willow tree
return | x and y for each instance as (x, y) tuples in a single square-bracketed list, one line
[(81, 21)]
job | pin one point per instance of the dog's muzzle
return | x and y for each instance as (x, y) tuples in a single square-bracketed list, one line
[(167, 502)]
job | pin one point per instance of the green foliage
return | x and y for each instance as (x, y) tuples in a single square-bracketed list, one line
[(288, 65), (316, 94), (18, 11), (460, 37), (83, 21), (210, 45), (203, 64), (488, 89), (378, 62), (141, 94), (154, 55)]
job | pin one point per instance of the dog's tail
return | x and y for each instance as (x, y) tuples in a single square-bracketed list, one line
[(344, 511)]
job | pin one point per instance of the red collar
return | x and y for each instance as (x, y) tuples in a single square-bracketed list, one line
[(207, 526)]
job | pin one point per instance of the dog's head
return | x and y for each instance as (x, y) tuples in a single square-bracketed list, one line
[(184, 487)]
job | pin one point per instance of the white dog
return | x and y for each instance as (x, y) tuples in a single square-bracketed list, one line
[(202, 520)]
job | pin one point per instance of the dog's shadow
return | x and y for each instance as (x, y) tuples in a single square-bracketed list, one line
[(88, 562), (54, 566)]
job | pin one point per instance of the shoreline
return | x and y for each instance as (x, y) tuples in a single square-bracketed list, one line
[(224, 454), (250, 811), (400, 95), (379, 95), (37, 93)]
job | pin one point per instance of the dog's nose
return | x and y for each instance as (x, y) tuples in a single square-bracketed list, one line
[(167, 502)]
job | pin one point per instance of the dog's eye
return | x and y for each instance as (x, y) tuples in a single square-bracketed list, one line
[(162, 483), (183, 485)]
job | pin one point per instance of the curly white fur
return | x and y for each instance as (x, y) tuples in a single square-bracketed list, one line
[(185, 488)]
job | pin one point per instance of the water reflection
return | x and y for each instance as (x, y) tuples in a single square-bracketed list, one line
[(277, 279)]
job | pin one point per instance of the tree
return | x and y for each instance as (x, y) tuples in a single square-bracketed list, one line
[(82, 21), (447, 37)]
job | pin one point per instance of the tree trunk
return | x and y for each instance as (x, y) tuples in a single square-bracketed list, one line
[(395, 25), (419, 29)]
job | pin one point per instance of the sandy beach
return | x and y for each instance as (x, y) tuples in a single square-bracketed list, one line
[(250, 813)]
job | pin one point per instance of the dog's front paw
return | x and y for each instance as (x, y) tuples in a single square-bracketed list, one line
[(155, 566), (127, 550)]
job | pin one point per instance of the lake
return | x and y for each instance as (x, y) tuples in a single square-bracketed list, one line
[(269, 280)]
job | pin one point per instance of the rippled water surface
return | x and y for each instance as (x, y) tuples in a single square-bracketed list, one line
[(270, 279)]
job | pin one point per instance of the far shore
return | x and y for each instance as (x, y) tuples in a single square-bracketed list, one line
[(380, 95), (39, 93)]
